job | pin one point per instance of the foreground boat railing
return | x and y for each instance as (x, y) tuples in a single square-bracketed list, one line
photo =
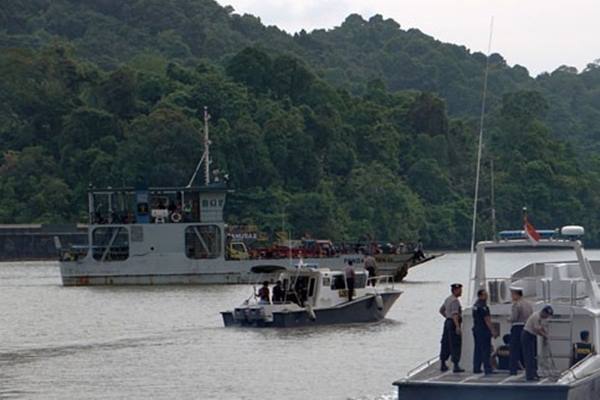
[(498, 288), (387, 281), (421, 368)]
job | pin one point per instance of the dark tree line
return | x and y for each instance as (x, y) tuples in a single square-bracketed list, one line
[(364, 130)]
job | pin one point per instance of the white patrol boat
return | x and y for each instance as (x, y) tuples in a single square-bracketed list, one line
[(177, 235), (318, 296), (571, 288)]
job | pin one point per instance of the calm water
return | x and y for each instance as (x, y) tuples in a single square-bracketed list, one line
[(140, 343)]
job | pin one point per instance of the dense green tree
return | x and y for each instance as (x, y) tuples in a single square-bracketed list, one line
[(361, 131)]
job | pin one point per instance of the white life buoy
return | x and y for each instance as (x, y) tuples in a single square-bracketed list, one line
[(176, 217)]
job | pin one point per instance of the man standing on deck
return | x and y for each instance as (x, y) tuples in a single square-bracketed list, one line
[(451, 347), (371, 267), (350, 274), (533, 329), (521, 311), (483, 331)]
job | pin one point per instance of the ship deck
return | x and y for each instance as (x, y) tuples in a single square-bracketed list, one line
[(432, 374), (429, 383)]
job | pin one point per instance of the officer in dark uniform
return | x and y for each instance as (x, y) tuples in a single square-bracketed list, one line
[(583, 348), (502, 354), (451, 347), (482, 334)]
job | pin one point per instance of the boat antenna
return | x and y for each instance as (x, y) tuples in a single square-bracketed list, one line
[(493, 201), (480, 150), (205, 156)]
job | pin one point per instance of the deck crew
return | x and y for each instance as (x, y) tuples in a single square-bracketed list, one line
[(350, 275), (371, 267), (583, 348), (418, 253), (502, 354), (482, 334), (264, 296), (451, 345), (533, 329), (521, 311), (278, 293)]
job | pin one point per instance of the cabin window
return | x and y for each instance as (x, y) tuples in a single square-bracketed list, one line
[(360, 281), (110, 243), (338, 282), (202, 241), (326, 281)]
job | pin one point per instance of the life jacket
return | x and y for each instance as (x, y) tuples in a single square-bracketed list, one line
[(503, 354), (582, 350)]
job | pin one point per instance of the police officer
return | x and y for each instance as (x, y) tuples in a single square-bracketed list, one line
[(583, 348), (451, 347), (521, 311), (482, 334), (502, 354), (533, 329)]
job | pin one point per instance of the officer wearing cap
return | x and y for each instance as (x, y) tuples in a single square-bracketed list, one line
[(521, 311), (451, 347), (533, 329)]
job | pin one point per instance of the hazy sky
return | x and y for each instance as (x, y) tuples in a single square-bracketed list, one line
[(538, 34)]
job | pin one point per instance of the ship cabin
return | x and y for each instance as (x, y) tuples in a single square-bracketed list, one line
[(141, 221)]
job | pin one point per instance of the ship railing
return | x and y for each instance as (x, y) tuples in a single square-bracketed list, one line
[(422, 367), (573, 298), (385, 281)]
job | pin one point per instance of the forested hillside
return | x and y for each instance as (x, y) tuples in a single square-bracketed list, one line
[(362, 130)]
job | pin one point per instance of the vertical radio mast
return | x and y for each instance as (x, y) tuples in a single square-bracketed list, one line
[(479, 153), (206, 155)]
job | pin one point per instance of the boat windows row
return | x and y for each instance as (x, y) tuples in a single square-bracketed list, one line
[(112, 243)]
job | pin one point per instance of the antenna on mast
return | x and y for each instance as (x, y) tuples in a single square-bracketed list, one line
[(493, 201), (479, 152), (206, 148), (205, 156)]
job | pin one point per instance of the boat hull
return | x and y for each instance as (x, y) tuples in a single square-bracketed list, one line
[(362, 310), (177, 270), (479, 392)]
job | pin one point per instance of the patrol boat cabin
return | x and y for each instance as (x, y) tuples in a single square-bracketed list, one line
[(570, 287), (313, 296)]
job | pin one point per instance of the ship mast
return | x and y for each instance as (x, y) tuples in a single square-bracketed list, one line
[(205, 155), (478, 167), (493, 200)]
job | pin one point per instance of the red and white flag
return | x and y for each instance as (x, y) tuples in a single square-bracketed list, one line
[(530, 231)]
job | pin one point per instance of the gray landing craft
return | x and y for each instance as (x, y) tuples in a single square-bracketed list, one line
[(318, 296), (178, 236), (572, 290)]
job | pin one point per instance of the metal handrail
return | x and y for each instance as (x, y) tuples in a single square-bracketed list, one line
[(385, 280), (422, 366)]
